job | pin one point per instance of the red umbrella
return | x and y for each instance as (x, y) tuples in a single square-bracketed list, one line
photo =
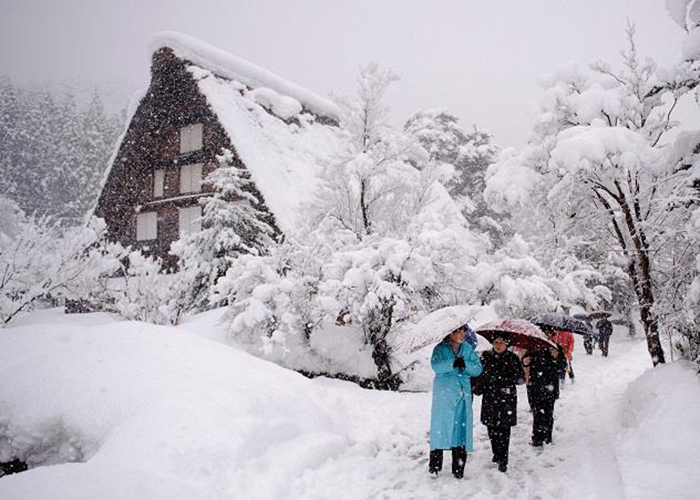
[(518, 332)]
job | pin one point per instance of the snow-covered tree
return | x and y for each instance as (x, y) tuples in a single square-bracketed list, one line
[(233, 223), (363, 191), (138, 290), (273, 303), (53, 154), (467, 156), (41, 261), (10, 115), (516, 284), (94, 143), (371, 201), (593, 173), (386, 245), (683, 304)]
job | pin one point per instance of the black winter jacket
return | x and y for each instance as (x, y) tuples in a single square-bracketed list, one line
[(544, 374), (501, 373), (605, 328)]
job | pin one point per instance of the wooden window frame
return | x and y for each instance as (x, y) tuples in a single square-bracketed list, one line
[(191, 178), (191, 138), (147, 226), (191, 216), (159, 183)]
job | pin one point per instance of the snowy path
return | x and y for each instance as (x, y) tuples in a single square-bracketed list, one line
[(162, 416), (387, 457)]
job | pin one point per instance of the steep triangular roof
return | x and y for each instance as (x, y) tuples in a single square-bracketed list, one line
[(225, 65), (283, 133)]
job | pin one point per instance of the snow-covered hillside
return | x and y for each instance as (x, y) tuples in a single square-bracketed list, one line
[(154, 412)]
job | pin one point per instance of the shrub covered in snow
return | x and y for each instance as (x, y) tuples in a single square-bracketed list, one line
[(40, 260), (140, 291)]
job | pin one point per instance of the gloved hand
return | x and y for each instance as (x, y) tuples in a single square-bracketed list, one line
[(459, 363)]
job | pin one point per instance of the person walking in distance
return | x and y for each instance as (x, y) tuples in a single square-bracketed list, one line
[(605, 330)]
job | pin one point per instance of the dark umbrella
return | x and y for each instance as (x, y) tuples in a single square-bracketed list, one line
[(562, 322), (584, 317), (599, 315), (517, 332)]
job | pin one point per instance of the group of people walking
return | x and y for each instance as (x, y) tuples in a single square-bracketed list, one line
[(460, 374)]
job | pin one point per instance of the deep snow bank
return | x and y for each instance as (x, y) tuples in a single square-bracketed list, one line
[(658, 448), (157, 410)]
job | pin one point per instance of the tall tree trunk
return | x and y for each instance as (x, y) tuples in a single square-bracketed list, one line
[(382, 359), (640, 272), (629, 309), (639, 267), (645, 297), (380, 322), (363, 206)]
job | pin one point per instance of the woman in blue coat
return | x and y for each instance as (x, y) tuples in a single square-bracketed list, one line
[(451, 424)]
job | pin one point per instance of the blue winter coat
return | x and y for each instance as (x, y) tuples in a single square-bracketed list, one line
[(451, 419)]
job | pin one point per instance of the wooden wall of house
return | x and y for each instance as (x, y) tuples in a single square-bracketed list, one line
[(152, 142)]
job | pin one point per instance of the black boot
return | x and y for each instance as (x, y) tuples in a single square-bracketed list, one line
[(459, 460), (435, 464)]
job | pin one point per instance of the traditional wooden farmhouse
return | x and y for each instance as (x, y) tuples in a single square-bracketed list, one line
[(200, 101)]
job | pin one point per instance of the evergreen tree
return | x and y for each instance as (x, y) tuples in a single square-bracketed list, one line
[(99, 134), (234, 222), (53, 154), (9, 127)]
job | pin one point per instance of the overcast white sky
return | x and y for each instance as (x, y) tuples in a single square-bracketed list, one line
[(479, 59)]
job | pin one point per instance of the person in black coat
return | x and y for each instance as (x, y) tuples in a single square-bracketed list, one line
[(544, 364), (605, 330), (502, 371)]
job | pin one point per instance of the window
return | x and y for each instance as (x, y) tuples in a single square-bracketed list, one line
[(147, 226), (158, 183), (190, 220), (191, 178), (191, 138)]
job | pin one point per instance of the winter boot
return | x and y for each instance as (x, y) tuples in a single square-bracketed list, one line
[(459, 460), (435, 464)]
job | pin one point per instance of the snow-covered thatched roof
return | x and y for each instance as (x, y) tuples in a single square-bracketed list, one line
[(225, 65), (282, 145)]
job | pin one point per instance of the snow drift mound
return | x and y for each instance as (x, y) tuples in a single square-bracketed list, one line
[(153, 413), (659, 442)]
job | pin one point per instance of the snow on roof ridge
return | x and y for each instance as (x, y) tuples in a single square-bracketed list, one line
[(233, 67)]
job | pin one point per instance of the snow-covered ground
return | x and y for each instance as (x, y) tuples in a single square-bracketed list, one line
[(154, 412)]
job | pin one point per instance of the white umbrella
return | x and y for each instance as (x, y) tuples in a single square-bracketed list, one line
[(436, 325)]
